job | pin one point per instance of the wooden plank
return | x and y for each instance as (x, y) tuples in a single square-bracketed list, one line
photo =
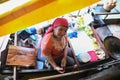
[(63, 75)]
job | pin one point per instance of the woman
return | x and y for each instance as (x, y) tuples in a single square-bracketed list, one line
[(54, 45)]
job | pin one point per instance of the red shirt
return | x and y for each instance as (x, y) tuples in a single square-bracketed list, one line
[(53, 47)]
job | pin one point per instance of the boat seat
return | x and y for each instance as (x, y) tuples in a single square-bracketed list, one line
[(21, 56)]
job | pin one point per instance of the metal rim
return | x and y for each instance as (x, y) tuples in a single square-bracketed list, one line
[(112, 45)]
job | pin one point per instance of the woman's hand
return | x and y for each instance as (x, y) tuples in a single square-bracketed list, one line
[(59, 69), (63, 65)]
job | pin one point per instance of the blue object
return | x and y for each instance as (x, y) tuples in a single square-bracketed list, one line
[(39, 57), (72, 34), (84, 57), (79, 58), (23, 34), (19, 32), (31, 30), (33, 37), (40, 65)]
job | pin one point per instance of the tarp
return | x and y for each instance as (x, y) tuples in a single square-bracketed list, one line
[(40, 11)]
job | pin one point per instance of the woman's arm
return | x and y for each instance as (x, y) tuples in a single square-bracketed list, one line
[(65, 51), (63, 63), (51, 61), (54, 65)]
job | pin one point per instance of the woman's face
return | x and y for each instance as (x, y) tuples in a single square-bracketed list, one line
[(60, 31)]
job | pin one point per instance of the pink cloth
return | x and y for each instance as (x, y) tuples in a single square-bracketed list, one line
[(93, 56)]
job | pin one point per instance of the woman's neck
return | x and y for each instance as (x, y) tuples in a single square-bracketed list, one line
[(57, 38)]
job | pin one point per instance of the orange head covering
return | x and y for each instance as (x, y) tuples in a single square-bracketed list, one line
[(58, 22)]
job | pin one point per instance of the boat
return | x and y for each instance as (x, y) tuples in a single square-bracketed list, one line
[(84, 66), (46, 73)]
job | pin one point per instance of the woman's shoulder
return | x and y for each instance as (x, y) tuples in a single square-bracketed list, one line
[(47, 37), (46, 41)]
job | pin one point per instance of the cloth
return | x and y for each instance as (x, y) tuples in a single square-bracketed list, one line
[(93, 56), (51, 46)]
